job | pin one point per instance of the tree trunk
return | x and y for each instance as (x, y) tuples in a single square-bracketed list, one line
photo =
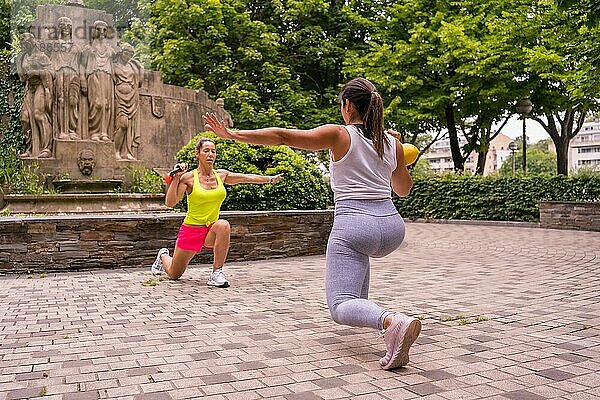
[(457, 158), (481, 160), (570, 126), (562, 155)]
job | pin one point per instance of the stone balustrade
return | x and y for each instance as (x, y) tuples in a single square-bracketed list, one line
[(66, 243)]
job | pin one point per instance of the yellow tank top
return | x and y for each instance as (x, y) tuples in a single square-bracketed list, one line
[(204, 204)]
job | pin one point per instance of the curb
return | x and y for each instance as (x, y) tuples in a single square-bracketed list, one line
[(514, 224)]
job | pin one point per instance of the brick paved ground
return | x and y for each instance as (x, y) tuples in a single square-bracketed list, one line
[(508, 313)]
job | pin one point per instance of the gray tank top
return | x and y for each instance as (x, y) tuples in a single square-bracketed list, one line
[(361, 174)]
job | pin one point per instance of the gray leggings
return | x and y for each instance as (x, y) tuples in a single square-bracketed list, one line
[(361, 229)]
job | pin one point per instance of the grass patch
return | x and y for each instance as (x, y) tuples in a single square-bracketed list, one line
[(464, 320)]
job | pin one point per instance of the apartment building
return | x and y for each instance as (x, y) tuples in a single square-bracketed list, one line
[(440, 157), (584, 149)]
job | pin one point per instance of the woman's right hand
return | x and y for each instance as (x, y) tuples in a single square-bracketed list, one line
[(179, 169), (212, 123)]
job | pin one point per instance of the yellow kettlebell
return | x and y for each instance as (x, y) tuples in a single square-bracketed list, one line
[(410, 153)]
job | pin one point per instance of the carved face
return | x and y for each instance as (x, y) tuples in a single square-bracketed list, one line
[(101, 30), (27, 42), (65, 26), (126, 53), (85, 162)]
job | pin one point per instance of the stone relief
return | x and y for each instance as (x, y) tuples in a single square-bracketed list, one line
[(67, 86), (128, 75), (86, 162), (97, 83), (84, 90), (74, 93), (222, 114), (34, 68)]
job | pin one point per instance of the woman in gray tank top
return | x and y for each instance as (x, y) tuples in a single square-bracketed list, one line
[(366, 165)]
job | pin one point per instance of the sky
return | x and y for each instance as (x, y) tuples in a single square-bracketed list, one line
[(514, 129)]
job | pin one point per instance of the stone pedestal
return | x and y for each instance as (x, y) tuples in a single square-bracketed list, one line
[(85, 203), (65, 165)]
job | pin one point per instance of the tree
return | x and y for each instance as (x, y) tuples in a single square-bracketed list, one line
[(591, 8), (555, 74), (538, 162), (274, 62), (438, 62)]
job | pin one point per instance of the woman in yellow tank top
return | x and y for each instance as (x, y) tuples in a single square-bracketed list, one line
[(202, 227)]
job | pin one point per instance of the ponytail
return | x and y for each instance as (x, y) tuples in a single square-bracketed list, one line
[(369, 104)]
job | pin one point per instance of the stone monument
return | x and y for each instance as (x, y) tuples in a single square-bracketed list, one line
[(91, 111)]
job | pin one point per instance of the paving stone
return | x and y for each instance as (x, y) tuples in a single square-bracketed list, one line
[(508, 312)]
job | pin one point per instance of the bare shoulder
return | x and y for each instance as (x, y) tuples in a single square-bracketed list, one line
[(187, 178), (331, 129)]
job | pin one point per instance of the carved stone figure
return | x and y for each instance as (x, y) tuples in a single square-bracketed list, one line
[(86, 162), (34, 68), (128, 76), (97, 83), (65, 61), (222, 114)]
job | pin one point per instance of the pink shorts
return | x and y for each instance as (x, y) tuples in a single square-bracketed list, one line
[(192, 237)]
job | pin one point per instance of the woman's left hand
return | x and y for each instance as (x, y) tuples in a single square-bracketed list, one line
[(213, 124)]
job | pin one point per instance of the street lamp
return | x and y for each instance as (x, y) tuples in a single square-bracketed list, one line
[(524, 107), (512, 147)]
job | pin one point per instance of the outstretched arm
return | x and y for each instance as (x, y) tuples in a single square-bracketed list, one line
[(321, 138), (233, 178)]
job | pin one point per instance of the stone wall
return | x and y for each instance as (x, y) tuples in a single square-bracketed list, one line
[(570, 215), (67, 243)]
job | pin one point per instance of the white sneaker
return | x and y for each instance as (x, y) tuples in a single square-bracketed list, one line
[(217, 279), (157, 266)]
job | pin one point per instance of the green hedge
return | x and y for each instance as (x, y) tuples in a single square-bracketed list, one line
[(493, 198), (301, 188)]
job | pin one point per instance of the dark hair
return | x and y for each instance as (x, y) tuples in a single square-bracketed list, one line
[(201, 142), (368, 103)]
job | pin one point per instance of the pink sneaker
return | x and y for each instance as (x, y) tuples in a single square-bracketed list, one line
[(399, 336)]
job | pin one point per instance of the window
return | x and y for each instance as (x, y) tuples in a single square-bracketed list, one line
[(595, 149), (588, 162)]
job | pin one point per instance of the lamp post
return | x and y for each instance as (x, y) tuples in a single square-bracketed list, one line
[(524, 107), (513, 147)]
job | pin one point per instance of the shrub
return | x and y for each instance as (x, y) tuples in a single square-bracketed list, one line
[(18, 178), (302, 186), (144, 180), (496, 198)]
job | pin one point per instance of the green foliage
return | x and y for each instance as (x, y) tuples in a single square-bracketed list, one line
[(274, 63), (538, 162), (4, 24), (11, 99), (14, 177), (145, 180), (494, 198), (18, 178), (302, 186), (421, 168)]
